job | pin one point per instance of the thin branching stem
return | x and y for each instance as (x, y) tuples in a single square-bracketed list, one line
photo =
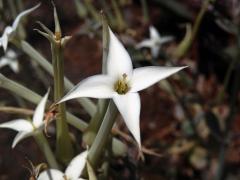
[(145, 11), (63, 146), (45, 148), (184, 49), (121, 25), (16, 110)]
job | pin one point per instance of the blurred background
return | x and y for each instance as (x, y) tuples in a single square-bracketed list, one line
[(190, 123)]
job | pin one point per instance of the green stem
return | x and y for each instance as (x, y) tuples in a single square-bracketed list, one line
[(64, 147), (16, 110), (102, 137), (95, 122), (184, 49), (45, 148), (92, 10), (81, 9), (87, 104), (12, 7), (18, 89), (105, 43), (221, 162), (97, 119), (199, 18), (119, 18), (107, 10), (220, 95), (20, 5), (145, 11), (231, 117)]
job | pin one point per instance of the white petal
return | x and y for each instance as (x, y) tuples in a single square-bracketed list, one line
[(14, 66), (39, 111), (76, 166), (18, 125), (145, 43), (20, 136), (118, 60), (146, 76), (155, 50), (5, 41), (166, 39), (11, 54), (98, 86), (154, 34), (21, 15), (129, 106), (51, 174), (4, 61)]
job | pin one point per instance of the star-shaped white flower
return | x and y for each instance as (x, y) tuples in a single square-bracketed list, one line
[(121, 83), (155, 42), (9, 31), (27, 128), (72, 172), (10, 59)]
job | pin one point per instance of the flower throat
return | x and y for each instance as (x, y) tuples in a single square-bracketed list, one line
[(121, 86)]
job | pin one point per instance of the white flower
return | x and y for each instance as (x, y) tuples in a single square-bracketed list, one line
[(10, 59), (9, 31), (121, 83), (27, 128), (155, 42), (72, 172)]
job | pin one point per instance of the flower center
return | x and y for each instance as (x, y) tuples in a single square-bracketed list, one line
[(121, 86)]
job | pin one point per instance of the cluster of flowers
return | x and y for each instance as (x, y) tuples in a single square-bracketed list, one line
[(121, 84)]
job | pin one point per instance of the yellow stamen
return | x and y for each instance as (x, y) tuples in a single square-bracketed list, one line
[(121, 86)]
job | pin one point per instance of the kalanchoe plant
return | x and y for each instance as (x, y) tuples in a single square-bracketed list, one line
[(25, 127), (121, 83), (155, 42), (72, 172), (10, 59), (10, 31)]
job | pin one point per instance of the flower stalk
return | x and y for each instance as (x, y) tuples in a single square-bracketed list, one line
[(64, 149), (16, 110), (91, 9), (102, 137), (145, 11), (97, 119), (121, 25), (19, 90), (45, 148), (95, 122), (182, 50)]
